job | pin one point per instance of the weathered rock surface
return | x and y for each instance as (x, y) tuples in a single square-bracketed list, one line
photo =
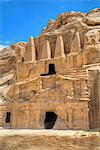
[(93, 17), (8, 57), (63, 19), (57, 72), (8, 67)]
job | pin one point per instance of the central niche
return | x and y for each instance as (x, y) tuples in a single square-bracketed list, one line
[(52, 69), (50, 119)]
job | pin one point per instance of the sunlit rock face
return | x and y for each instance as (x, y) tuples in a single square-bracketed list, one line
[(52, 81), (91, 53), (92, 18)]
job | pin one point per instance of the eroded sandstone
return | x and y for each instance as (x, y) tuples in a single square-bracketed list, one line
[(53, 81)]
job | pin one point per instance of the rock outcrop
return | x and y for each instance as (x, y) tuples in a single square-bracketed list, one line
[(55, 75)]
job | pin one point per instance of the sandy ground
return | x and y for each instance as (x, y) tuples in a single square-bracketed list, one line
[(49, 140)]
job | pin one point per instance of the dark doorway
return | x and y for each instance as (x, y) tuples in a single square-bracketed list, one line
[(8, 115), (50, 119), (52, 69)]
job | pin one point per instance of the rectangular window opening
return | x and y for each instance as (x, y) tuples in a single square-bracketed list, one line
[(8, 116), (52, 69)]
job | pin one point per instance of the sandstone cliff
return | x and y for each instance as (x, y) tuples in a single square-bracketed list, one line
[(7, 67), (80, 34), (81, 28)]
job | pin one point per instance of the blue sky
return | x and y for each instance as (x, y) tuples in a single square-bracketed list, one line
[(20, 19)]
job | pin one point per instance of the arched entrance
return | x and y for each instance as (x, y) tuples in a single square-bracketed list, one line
[(50, 119)]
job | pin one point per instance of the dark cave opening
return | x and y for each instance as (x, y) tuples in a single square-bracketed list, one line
[(50, 119)]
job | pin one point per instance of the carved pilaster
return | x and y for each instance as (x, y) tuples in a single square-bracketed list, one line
[(14, 117), (38, 120), (27, 118), (70, 111), (86, 118)]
